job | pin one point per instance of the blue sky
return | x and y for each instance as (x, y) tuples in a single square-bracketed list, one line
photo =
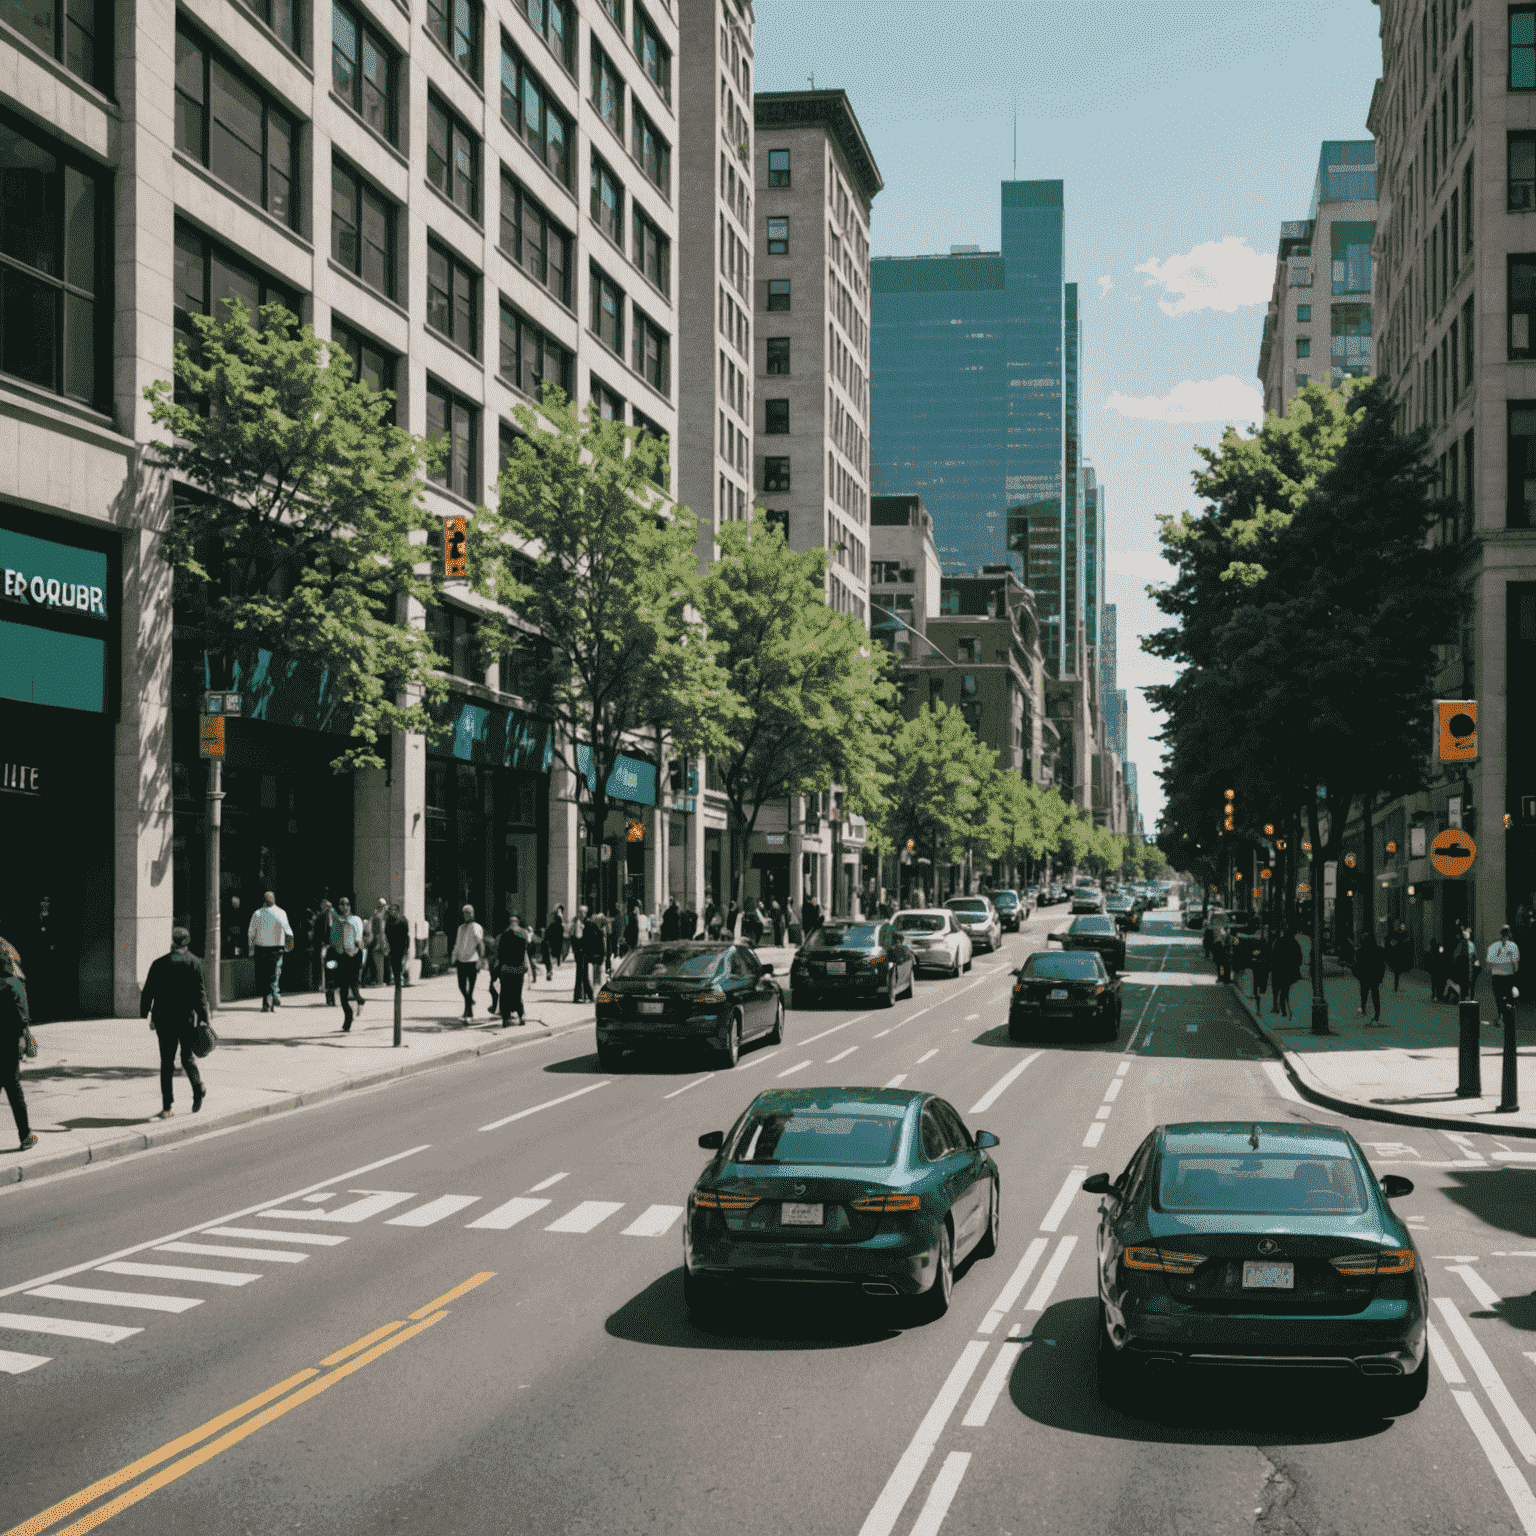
[(1184, 134)]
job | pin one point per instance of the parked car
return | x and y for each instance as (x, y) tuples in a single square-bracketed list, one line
[(681, 994), (979, 918), (936, 939), (1074, 991), (853, 960), (1097, 932)]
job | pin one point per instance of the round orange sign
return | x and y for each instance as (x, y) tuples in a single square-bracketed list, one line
[(1452, 852)]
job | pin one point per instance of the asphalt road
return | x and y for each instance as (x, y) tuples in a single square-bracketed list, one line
[(290, 1371)]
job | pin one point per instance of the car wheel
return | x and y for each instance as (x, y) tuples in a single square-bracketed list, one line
[(1403, 1394), (701, 1297), (954, 975), (608, 1057), (911, 983), (730, 1053), (934, 1302), (987, 1247), (1111, 1369), (969, 958), (888, 996), (776, 1034)]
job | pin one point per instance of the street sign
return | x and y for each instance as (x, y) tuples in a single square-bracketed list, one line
[(222, 704), (1456, 730), (455, 538), (1452, 852), (210, 736)]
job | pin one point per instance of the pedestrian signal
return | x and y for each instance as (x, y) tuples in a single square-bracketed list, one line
[(1303, 889), (1456, 730), (455, 542)]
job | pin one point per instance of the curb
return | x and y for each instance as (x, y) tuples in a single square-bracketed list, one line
[(1302, 1080), (142, 1141)]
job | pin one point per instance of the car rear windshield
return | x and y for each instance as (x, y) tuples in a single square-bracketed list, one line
[(1005, 899), (1267, 1185), (669, 960), (844, 936), (815, 1136), (913, 922), (1094, 925), (967, 904), (1062, 967)]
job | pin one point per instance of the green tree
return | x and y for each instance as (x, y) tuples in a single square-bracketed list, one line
[(296, 540), (1030, 818)]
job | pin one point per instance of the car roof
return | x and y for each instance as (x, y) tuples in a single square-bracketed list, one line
[(837, 1100), (1235, 1137), (922, 912)]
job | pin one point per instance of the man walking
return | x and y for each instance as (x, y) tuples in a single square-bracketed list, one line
[(554, 943), (671, 922), (320, 947), (589, 944), (1503, 963), (378, 961), (347, 941), (1370, 966), (468, 948), (14, 1020), (175, 1002), (270, 937), (397, 946), (1284, 972)]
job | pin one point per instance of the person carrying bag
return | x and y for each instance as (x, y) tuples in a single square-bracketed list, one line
[(512, 969)]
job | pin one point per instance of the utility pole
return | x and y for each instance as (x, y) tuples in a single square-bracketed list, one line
[(212, 945)]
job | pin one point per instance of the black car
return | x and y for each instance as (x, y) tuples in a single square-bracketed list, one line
[(1231, 1244), (853, 960), (1126, 913), (691, 993), (1012, 909), (1098, 933), (1075, 992)]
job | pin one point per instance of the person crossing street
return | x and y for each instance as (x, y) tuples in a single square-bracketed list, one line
[(270, 938)]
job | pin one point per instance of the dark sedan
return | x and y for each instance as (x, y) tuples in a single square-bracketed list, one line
[(1228, 1243), (1012, 909), (1075, 992), (680, 994), (882, 1190), (853, 960), (1126, 913), (1099, 934)]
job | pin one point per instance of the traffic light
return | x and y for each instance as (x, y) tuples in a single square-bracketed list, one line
[(1227, 824), (1269, 829)]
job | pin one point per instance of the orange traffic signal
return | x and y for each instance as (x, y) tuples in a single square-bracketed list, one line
[(455, 540), (1269, 829), (1456, 730)]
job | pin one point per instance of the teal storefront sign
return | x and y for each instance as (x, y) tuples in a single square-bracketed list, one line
[(493, 735), (632, 779)]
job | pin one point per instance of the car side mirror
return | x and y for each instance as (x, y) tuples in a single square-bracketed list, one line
[(985, 1140), (712, 1141), (1096, 1184), (1054, 938), (1394, 1186)]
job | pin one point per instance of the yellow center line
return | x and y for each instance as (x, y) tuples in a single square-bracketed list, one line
[(454, 1294), (362, 1343)]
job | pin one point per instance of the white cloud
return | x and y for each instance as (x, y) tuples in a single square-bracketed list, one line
[(1218, 274), (1105, 284), (1139, 565), (1223, 399)]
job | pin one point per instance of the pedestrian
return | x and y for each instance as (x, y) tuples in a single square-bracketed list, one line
[(1439, 972), (468, 951), (732, 918), (588, 945), (270, 938), (1260, 969), (512, 961), (348, 941), (1284, 972), (397, 946), (1370, 965), (688, 922), (632, 928), (671, 922), (611, 928), (1503, 964), (14, 1021), (752, 923), (1399, 954), (810, 916), (322, 973), (378, 962), (554, 942), (643, 925), (776, 913), (175, 1001), (714, 919), (1465, 967)]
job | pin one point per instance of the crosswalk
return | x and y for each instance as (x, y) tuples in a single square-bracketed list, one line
[(289, 1235)]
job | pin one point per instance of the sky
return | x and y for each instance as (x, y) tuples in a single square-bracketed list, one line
[(1185, 134)]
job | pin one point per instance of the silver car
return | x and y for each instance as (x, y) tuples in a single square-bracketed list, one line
[(979, 918)]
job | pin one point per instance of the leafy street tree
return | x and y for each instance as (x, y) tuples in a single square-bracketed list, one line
[(809, 693), (296, 540), (585, 548), (1030, 818)]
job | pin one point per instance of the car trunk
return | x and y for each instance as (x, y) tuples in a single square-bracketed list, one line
[(1051, 994), (642, 998), (789, 1201)]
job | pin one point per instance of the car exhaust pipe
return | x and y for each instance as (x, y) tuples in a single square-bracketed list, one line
[(1384, 1367), (879, 1288)]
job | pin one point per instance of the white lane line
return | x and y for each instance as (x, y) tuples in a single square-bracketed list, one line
[(373, 1203), (434, 1210), (565, 1098), (1095, 1134), (1280, 1082), (1113, 1091), (811, 1039), (1122, 1069), (927, 1056), (1069, 1191), (219, 1251), (553, 1179), (899, 1486), (13, 1364), (1530, 1354), (849, 1052), (1146, 1045), (508, 1215), (945, 1486), (991, 1387), (971, 1018), (654, 1221), (1515, 1422), (116, 1298), (311, 1239), (684, 1089), (757, 1061), (1444, 1359), (799, 1066), (1040, 1297), (1011, 1292), (66, 1327), (1468, 1147), (996, 1091), (589, 1214), (1102, 1112), (178, 1272), (1499, 1459), (882, 1033), (897, 1081), (1483, 1293)]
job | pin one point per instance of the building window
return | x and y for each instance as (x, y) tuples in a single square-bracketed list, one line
[(651, 250), (1522, 464), (651, 353), (555, 22), (78, 33), (1466, 205), (654, 55), (661, 476), (531, 113), (1303, 346), (453, 299), (775, 416), (208, 273), (227, 125), (1350, 339), (530, 358), (1522, 300), (778, 354), (1522, 172), (968, 679), (1466, 458), (654, 154), (778, 167), (966, 651), (1522, 47), (778, 237), (1301, 381), (778, 293), (363, 71), (607, 312), (534, 241), (453, 159), (607, 202), (456, 25), (459, 421), (1466, 345), (362, 229), (55, 256), (776, 474), (607, 90), (1303, 313), (371, 364), (610, 406)]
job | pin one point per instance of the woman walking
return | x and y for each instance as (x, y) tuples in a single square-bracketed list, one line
[(14, 1020), (511, 969), (1285, 971), (1370, 964)]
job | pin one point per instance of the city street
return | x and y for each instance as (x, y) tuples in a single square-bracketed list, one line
[(483, 1262)]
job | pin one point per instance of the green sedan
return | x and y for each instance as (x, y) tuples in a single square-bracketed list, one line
[(879, 1190)]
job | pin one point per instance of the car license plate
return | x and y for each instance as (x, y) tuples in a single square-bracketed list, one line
[(837, 968), (651, 1007), (1059, 995), (796, 1214), (1268, 1277)]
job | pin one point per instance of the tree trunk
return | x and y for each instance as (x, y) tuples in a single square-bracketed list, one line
[(1319, 1001), (1368, 864)]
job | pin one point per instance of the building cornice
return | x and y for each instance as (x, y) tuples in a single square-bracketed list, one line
[(832, 111)]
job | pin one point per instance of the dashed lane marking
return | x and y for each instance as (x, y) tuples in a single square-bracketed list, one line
[(1070, 1189), (992, 1385), (116, 1298), (996, 1091), (799, 1066), (1011, 1292), (1113, 1091), (656, 1221), (219, 1251), (1515, 1422), (309, 1239), (1095, 1134), (942, 1494), (1040, 1297), (433, 1211), (927, 1056), (897, 1081), (849, 1052), (686, 1086), (1483, 1293), (508, 1215), (177, 1272)]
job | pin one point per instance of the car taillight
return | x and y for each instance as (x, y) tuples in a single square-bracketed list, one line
[(712, 997), (710, 1201), (1164, 1260), (605, 996), (1100, 990), (876, 1205), (870, 957), (1385, 1261)]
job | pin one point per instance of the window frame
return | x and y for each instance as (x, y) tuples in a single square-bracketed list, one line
[(779, 176), (778, 288), (550, 230), (651, 152), (457, 268), (776, 410), (1525, 138), (778, 245), (777, 474), (643, 31), (527, 81), (600, 284), (453, 403), (645, 235), (103, 60), (651, 351), (456, 127), (565, 55), (525, 331), (606, 73), (443, 24), (771, 355), (1527, 49), (362, 190), (608, 218), (1528, 351), (353, 341), (366, 35)]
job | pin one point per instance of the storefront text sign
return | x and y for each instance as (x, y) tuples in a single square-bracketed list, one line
[(50, 592), (21, 778)]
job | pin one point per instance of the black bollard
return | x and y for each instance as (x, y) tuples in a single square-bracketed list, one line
[(399, 1000), (1510, 1102), (1320, 1017), (1470, 1080)]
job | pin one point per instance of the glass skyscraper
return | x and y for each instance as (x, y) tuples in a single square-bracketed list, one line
[(972, 357)]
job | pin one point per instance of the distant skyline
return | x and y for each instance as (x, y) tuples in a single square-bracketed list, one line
[(1184, 135)]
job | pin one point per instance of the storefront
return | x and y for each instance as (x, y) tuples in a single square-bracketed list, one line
[(59, 665), (617, 871)]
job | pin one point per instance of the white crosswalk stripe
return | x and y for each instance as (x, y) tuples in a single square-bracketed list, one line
[(309, 1239), (13, 1364), (373, 1202), (432, 1211), (219, 1251), (586, 1216), (116, 1298), (177, 1272), (508, 1215), (65, 1327), (654, 1221)]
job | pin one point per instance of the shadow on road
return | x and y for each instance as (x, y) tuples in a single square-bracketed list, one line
[(1056, 1041)]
